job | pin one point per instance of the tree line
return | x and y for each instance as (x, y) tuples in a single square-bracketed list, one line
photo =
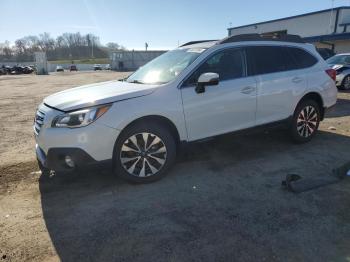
[(66, 46)]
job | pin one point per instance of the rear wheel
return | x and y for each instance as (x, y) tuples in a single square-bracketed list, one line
[(305, 121), (346, 83), (144, 152)]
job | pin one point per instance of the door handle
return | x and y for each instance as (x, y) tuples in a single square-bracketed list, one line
[(297, 80), (247, 90)]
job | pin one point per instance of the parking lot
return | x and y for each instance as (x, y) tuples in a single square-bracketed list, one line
[(222, 201)]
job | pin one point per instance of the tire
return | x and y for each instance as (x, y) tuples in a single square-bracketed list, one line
[(346, 83), (44, 170), (304, 129), (144, 152)]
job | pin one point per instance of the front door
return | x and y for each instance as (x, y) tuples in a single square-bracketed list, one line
[(226, 107)]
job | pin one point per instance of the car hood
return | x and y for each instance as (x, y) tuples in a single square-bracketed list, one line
[(96, 94), (338, 66)]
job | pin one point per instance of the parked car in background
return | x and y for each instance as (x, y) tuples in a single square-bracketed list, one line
[(59, 69), (7, 69), (97, 67), (3, 71), (199, 90), (325, 53), (108, 67), (27, 70), (33, 67), (18, 69), (341, 63), (73, 68)]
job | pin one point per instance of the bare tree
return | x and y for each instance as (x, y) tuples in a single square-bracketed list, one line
[(65, 46), (112, 45)]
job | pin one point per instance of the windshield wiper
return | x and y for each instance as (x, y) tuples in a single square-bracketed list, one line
[(136, 82)]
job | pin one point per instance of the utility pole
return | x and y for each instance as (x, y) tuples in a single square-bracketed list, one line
[(92, 49), (146, 46)]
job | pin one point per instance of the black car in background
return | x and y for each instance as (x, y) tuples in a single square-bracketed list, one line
[(3, 71), (16, 70)]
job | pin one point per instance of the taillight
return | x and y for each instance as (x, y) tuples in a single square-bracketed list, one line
[(332, 73)]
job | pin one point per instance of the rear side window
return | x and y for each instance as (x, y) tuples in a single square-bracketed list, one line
[(269, 59), (302, 58)]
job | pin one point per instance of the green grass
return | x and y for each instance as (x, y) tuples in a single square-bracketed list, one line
[(82, 61)]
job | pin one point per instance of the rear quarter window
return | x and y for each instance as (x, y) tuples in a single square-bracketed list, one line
[(303, 59)]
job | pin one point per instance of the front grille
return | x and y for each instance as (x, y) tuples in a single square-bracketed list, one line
[(38, 121)]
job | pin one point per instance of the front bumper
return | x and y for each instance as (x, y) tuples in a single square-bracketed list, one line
[(55, 158), (87, 145)]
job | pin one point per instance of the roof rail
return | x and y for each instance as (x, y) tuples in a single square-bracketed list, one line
[(197, 42), (262, 37)]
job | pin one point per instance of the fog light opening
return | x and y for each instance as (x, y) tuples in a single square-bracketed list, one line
[(69, 161)]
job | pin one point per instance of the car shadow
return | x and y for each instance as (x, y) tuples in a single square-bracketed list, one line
[(222, 200), (341, 109)]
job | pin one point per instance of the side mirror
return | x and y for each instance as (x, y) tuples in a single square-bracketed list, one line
[(206, 79)]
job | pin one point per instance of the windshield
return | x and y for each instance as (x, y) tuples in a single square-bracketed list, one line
[(339, 60), (166, 67)]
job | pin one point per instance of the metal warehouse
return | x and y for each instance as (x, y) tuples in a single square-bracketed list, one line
[(131, 60), (328, 28)]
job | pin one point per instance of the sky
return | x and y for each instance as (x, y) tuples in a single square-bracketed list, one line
[(162, 24)]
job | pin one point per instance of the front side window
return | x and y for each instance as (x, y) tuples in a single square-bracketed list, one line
[(166, 67), (229, 64)]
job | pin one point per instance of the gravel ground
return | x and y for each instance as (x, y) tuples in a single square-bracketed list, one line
[(20, 96), (222, 201)]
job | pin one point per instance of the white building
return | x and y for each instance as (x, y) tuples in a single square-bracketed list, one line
[(328, 28)]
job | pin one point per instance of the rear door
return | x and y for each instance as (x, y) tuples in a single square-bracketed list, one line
[(278, 80)]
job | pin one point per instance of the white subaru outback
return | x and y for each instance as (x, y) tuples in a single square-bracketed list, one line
[(199, 90)]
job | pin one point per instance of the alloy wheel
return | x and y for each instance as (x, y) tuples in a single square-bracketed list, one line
[(307, 121), (143, 154), (346, 83)]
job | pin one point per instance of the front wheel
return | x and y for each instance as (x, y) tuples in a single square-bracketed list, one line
[(144, 152), (346, 83), (44, 170), (305, 122)]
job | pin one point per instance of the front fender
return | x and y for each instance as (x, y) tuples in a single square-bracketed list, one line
[(169, 106)]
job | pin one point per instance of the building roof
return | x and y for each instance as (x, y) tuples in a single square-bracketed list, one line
[(324, 38), (290, 17)]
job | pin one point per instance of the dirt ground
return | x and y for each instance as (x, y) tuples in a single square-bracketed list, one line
[(223, 200)]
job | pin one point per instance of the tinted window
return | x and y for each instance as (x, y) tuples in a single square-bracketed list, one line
[(229, 64), (302, 58), (269, 59)]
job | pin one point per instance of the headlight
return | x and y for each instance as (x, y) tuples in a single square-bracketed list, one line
[(80, 118)]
